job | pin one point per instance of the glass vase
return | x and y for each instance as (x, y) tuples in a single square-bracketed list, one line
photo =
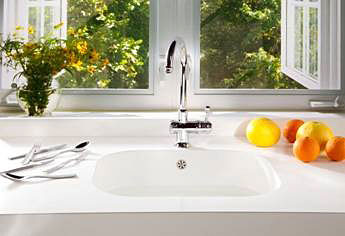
[(38, 102)]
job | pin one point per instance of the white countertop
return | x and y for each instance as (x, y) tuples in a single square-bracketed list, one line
[(316, 187)]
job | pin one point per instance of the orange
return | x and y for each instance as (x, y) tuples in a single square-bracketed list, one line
[(291, 128), (306, 149), (335, 149)]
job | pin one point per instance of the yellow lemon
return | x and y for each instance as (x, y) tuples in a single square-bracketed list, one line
[(317, 130), (263, 132)]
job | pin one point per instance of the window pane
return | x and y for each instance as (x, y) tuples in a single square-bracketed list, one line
[(48, 20), (35, 22), (299, 38), (240, 45), (313, 43), (120, 32)]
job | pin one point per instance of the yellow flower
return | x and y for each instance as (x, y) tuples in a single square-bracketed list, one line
[(106, 62), (78, 65), (31, 30), (91, 69), (70, 31), (19, 27), (94, 56), (58, 26), (82, 31), (82, 47), (70, 56)]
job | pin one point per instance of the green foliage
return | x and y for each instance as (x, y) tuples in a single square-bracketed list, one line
[(120, 32), (260, 70), (240, 43)]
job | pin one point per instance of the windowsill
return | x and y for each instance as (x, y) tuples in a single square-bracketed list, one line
[(17, 114)]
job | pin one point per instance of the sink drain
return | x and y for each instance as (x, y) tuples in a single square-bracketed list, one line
[(181, 164)]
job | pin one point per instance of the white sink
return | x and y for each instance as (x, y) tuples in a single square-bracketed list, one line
[(216, 173)]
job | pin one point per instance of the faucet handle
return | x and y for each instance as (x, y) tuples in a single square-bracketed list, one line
[(208, 112)]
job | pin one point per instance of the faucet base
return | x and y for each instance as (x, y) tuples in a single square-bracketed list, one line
[(182, 130)]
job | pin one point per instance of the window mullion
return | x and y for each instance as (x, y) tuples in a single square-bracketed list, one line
[(42, 18), (63, 19), (306, 41), (335, 42), (324, 50)]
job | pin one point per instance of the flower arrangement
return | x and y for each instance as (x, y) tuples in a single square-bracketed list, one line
[(40, 60)]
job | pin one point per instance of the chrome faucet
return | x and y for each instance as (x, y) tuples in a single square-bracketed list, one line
[(182, 127)]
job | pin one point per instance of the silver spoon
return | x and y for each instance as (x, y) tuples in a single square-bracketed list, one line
[(78, 148), (27, 166), (19, 178)]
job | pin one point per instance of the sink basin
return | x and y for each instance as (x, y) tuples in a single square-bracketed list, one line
[(185, 173)]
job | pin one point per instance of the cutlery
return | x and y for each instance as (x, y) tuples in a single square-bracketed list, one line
[(20, 178), (28, 157), (43, 150), (65, 163), (27, 167), (78, 148)]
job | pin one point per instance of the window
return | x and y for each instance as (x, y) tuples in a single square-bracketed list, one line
[(242, 53), (120, 29)]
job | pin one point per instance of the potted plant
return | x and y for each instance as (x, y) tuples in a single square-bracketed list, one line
[(40, 61)]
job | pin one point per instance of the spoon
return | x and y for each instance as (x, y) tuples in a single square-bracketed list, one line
[(78, 148), (27, 166), (20, 178)]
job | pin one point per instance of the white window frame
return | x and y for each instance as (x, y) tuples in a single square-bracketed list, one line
[(173, 18), (26, 4), (327, 41), (278, 99)]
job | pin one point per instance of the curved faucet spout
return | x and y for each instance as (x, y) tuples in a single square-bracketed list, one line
[(178, 46)]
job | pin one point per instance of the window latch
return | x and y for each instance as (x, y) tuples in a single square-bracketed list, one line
[(339, 102)]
